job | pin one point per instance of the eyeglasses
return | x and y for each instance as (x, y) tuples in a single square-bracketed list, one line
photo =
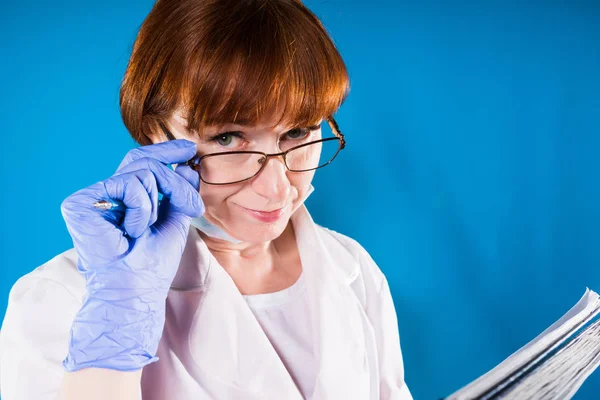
[(230, 167)]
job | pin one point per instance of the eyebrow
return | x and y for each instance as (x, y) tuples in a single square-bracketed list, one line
[(248, 127), (170, 136)]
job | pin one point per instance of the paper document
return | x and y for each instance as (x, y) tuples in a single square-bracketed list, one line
[(552, 366)]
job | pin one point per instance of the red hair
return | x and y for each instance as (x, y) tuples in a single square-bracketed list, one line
[(231, 61)]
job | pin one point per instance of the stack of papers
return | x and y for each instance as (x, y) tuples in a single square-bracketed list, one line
[(554, 365)]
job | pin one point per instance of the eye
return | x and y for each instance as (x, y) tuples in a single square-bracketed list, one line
[(226, 139), (297, 133), (300, 133)]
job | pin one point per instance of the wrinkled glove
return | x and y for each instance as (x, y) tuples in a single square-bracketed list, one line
[(129, 255)]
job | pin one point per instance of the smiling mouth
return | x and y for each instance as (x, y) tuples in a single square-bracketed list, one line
[(266, 216)]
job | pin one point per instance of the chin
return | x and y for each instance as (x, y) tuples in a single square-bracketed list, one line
[(260, 232)]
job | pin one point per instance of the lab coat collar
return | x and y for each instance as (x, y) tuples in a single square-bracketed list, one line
[(247, 361)]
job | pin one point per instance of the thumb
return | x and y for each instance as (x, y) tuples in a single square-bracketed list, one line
[(171, 221)]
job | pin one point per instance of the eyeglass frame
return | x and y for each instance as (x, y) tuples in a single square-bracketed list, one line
[(194, 163)]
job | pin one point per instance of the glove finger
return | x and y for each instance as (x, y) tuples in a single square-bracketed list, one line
[(148, 180), (189, 175), (97, 235), (170, 221), (170, 152), (137, 198), (184, 197)]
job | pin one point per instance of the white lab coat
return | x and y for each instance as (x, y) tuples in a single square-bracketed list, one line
[(212, 346)]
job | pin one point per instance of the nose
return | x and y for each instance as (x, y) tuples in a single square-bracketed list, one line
[(272, 182)]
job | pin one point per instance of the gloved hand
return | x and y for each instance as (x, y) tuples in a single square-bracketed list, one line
[(129, 257)]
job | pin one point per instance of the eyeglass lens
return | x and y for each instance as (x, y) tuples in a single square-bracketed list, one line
[(229, 168)]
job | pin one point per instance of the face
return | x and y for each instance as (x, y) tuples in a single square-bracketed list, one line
[(258, 209)]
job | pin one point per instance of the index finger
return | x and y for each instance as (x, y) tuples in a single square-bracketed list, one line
[(170, 152)]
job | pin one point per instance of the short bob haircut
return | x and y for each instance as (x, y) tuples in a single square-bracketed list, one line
[(231, 61)]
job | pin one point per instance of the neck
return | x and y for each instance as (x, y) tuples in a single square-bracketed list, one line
[(260, 257)]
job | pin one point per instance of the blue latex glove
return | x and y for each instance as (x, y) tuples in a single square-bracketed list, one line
[(129, 257)]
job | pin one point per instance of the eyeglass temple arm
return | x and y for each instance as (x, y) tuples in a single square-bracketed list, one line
[(336, 130), (167, 133), (170, 136)]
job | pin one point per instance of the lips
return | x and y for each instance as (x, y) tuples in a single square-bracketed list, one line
[(266, 216)]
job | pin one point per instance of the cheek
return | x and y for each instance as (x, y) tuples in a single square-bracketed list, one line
[(215, 196), (301, 181)]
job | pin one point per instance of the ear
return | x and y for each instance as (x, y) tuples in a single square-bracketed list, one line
[(155, 132), (154, 138)]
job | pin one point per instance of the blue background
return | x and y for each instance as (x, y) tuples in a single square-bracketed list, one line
[(471, 173)]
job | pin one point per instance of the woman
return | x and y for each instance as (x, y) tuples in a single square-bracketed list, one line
[(255, 301)]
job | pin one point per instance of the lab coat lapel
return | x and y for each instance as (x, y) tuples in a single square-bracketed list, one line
[(227, 343), (336, 315)]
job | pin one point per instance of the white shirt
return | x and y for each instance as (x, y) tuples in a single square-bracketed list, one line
[(213, 347), (284, 317)]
